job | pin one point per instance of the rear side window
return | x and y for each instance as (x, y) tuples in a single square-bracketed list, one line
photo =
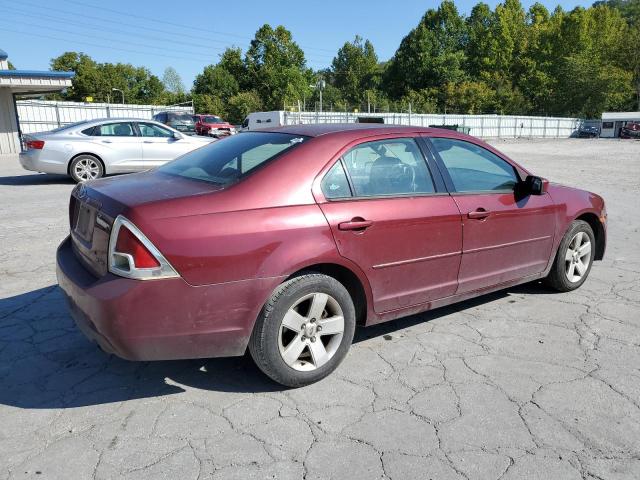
[(88, 131), (225, 162), (473, 168), (388, 167), (335, 183)]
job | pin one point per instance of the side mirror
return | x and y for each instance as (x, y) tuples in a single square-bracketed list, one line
[(534, 185), (177, 136)]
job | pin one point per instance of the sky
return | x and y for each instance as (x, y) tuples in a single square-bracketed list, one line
[(190, 35)]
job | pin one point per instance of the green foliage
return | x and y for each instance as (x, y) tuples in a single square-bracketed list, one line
[(355, 70), (206, 103), (10, 65), (506, 60), (276, 67), (242, 105), (98, 79)]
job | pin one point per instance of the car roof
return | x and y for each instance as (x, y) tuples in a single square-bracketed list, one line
[(358, 129)]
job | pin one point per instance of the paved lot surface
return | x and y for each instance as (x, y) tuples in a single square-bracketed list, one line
[(520, 384)]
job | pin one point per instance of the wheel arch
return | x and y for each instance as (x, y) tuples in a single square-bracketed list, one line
[(346, 277), (598, 231), (97, 157)]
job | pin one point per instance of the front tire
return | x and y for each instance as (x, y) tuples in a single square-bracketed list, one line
[(304, 330), (574, 258), (86, 167)]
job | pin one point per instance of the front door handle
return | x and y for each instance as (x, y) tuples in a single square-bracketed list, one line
[(149, 141), (107, 141), (358, 224), (479, 213)]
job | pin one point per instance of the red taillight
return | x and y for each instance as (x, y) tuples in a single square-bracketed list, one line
[(128, 243), (35, 144)]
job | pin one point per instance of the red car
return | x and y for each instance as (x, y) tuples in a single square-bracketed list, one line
[(213, 126), (282, 241)]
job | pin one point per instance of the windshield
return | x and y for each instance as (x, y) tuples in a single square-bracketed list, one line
[(182, 118), (212, 119), (226, 161)]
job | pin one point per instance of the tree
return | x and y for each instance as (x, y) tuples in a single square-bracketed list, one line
[(172, 81), (242, 105), (205, 103), (10, 65), (98, 79), (431, 55), (216, 80), (276, 67), (355, 70)]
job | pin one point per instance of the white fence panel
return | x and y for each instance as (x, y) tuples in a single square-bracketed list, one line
[(40, 115), (484, 126)]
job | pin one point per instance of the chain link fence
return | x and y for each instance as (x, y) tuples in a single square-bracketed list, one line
[(41, 115)]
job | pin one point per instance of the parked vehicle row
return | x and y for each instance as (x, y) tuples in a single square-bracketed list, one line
[(281, 241), (95, 148)]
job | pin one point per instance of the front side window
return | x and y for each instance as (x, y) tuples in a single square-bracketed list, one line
[(473, 168), (152, 130), (388, 167), (227, 161), (114, 130)]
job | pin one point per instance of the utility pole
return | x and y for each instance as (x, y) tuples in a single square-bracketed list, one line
[(320, 84), (368, 103)]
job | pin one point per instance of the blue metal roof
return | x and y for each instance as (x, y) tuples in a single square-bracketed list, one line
[(3, 55), (36, 73)]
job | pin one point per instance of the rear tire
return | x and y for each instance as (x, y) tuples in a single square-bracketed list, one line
[(304, 330), (574, 258), (86, 167)]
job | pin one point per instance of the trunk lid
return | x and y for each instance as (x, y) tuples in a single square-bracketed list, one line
[(94, 206)]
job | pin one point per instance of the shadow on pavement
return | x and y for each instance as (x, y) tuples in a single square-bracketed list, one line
[(36, 179), (45, 362)]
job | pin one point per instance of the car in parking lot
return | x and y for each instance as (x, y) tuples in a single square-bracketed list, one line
[(589, 131), (630, 130), (181, 121), (213, 126), (94, 148), (281, 241)]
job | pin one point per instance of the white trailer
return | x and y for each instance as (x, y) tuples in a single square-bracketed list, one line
[(612, 122)]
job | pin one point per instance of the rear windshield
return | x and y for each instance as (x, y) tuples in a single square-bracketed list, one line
[(226, 161), (212, 119)]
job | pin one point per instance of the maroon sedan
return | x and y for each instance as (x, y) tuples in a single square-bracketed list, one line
[(282, 241)]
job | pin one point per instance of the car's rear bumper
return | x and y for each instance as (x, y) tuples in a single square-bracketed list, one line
[(32, 160), (161, 319)]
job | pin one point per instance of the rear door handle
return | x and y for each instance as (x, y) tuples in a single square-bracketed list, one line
[(107, 141), (358, 224), (479, 213), (148, 141)]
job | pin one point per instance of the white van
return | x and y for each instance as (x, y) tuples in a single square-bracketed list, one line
[(258, 120)]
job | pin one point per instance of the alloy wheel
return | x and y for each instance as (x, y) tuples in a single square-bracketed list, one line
[(311, 332), (86, 169), (578, 257)]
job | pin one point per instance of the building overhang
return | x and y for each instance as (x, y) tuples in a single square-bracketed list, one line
[(34, 82), (620, 116)]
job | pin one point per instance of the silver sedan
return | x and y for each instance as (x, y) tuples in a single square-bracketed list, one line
[(94, 148)]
